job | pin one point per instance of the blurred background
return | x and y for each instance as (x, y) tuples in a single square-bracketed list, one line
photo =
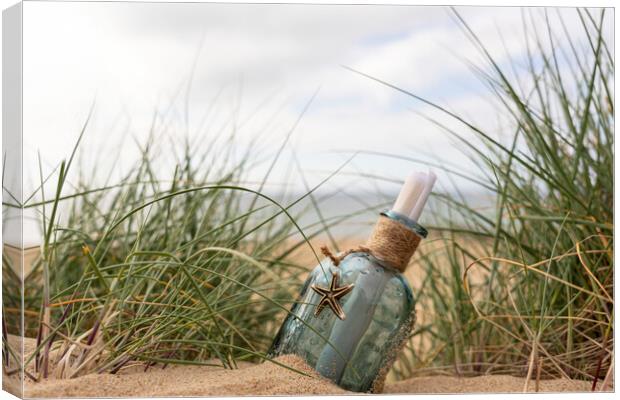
[(272, 77)]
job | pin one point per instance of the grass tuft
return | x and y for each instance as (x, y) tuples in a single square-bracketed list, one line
[(527, 289)]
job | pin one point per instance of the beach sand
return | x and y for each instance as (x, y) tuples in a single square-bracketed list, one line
[(257, 379), (265, 379)]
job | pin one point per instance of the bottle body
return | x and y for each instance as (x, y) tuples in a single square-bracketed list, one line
[(355, 352)]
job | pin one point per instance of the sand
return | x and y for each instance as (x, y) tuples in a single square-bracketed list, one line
[(249, 379), (258, 379), (483, 384)]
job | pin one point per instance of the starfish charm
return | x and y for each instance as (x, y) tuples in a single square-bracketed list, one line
[(330, 296)]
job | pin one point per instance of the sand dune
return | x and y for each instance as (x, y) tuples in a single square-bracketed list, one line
[(262, 379)]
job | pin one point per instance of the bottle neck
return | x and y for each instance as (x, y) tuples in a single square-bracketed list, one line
[(407, 222), (394, 239)]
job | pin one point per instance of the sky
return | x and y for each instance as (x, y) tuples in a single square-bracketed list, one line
[(270, 72)]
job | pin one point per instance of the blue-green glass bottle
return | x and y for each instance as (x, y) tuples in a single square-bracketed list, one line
[(355, 352)]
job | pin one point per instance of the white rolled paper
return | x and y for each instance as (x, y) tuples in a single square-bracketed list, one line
[(414, 194)]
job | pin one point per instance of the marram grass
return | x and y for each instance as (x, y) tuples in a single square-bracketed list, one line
[(528, 291), (155, 272)]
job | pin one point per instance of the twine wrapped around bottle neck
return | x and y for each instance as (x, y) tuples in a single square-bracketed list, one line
[(390, 242), (393, 243)]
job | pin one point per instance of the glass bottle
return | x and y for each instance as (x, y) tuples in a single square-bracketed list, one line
[(354, 337)]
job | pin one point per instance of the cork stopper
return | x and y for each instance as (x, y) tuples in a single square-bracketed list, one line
[(393, 240)]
